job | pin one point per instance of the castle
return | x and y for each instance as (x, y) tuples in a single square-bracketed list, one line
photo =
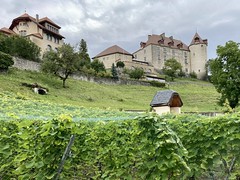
[(41, 31), (156, 50), (150, 56)]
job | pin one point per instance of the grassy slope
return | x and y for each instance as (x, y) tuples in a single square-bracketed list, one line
[(196, 96)]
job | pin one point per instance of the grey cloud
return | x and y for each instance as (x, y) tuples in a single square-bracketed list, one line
[(127, 22)]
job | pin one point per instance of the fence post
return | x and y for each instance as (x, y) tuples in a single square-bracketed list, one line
[(65, 155)]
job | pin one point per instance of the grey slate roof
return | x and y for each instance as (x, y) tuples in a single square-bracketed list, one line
[(163, 98)]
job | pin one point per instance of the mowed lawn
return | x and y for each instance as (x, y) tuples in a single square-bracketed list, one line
[(197, 96)]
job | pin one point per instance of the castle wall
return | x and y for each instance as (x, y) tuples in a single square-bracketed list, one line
[(157, 55)]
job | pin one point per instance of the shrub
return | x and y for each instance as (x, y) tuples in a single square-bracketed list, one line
[(120, 64), (193, 75), (182, 74), (20, 47), (157, 84), (5, 61), (136, 73)]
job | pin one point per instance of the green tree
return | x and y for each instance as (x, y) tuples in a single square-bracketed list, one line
[(136, 73), (114, 71), (84, 59), (120, 64), (20, 47), (171, 68), (5, 61), (225, 73), (98, 66), (62, 63)]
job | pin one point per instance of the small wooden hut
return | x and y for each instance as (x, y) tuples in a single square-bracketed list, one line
[(167, 101)]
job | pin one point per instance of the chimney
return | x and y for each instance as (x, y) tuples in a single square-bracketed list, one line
[(142, 44), (163, 35), (37, 18)]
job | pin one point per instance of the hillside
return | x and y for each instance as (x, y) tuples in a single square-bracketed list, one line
[(197, 95)]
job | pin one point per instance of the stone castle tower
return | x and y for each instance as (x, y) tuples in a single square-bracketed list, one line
[(198, 56)]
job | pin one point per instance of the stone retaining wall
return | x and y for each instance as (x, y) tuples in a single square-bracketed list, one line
[(26, 64), (35, 66)]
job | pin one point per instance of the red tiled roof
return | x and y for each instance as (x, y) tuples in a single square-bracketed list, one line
[(27, 17), (46, 19), (7, 31), (162, 40), (112, 50), (198, 40)]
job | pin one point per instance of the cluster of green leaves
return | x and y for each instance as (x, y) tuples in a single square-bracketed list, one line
[(171, 68), (213, 145), (5, 61), (114, 71), (67, 61), (225, 73), (141, 148), (61, 63), (20, 47), (157, 84), (136, 73)]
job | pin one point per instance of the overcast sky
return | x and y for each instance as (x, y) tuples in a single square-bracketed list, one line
[(103, 23)]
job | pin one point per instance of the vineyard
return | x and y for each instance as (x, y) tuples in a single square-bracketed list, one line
[(35, 143), (16, 106)]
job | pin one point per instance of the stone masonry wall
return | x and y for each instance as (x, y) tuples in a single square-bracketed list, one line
[(35, 66), (26, 64)]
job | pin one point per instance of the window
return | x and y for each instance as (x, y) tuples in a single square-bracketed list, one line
[(135, 56), (23, 33), (49, 47), (186, 70), (144, 51), (145, 59)]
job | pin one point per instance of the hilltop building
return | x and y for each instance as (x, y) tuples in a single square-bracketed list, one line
[(156, 50), (41, 31), (115, 53), (159, 48)]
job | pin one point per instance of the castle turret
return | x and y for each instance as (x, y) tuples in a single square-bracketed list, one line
[(198, 56)]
